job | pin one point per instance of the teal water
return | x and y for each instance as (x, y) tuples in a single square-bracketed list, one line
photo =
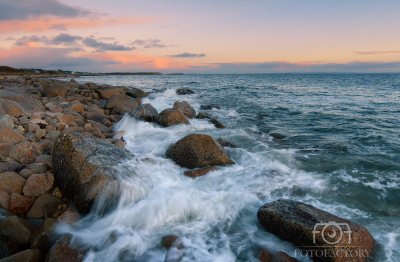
[(340, 153)]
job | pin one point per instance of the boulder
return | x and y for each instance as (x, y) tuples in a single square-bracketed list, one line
[(316, 231), (11, 182), (68, 217), (109, 92), (64, 251), (4, 200), (65, 119), (25, 150), (12, 166), (56, 90), (198, 150), (184, 91), (12, 108), (145, 112), (226, 143), (121, 100), (20, 204), (120, 110), (186, 109), (171, 117), (44, 205), (7, 121), (216, 123), (8, 135), (84, 169), (136, 93), (29, 255), (76, 106), (43, 237), (209, 107), (38, 184), (5, 149), (199, 172), (171, 240), (18, 229)]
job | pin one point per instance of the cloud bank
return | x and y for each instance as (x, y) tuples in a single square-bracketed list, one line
[(188, 55)]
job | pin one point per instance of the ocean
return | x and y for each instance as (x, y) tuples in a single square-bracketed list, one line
[(338, 150)]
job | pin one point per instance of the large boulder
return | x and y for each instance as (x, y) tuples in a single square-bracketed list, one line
[(136, 93), (84, 167), (8, 135), (172, 117), (198, 150), (121, 100), (186, 109), (56, 90), (145, 112), (109, 92), (314, 231), (12, 108)]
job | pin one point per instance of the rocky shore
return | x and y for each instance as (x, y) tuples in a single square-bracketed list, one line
[(60, 156)]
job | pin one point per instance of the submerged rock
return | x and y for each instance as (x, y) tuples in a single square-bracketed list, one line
[(62, 251), (226, 143), (145, 112), (186, 109), (198, 150), (202, 115), (184, 91), (199, 172), (171, 240), (172, 117), (84, 167), (316, 231), (209, 107), (216, 123)]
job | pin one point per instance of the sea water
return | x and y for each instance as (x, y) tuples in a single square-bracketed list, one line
[(340, 153)]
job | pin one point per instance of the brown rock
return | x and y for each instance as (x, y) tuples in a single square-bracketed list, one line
[(8, 135), (95, 109), (120, 110), (171, 117), (5, 149), (226, 143), (202, 115), (107, 93), (186, 109), (199, 172), (57, 192), (4, 201), (121, 100), (216, 123), (136, 93), (26, 161), (64, 251), (11, 182), (68, 217), (198, 150), (12, 166), (33, 128), (40, 133), (265, 256), (38, 168), (12, 108), (20, 204), (314, 230), (45, 204), (29, 255), (76, 106), (56, 90), (145, 112), (171, 240), (283, 257), (64, 119), (45, 159), (27, 149), (18, 229), (184, 91), (26, 173), (42, 237), (38, 184), (7, 121)]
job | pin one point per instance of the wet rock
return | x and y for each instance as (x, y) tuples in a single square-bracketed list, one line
[(18, 229), (283, 257), (209, 107), (136, 93), (199, 172), (84, 169), (277, 136), (4, 150), (171, 240), (4, 200), (120, 110), (68, 217), (56, 90), (29, 255), (8, 135), (171, 117), (121, 100), (20, 204), (202, 115), (109, 92), (186, 109), (299, 223), (226, 143), (11, 182), (216, 123), (35, 221), (198, 150), (27, 149), (42, 237), (38, 184), (184, 91), (7, 121), (45, 204), (64, 251), (15, 167), (265, 256), (145, 112), (12, 108)]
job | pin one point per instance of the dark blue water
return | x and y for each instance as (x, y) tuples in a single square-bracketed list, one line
[(339, 151)]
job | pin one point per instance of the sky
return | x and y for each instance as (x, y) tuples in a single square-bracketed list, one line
[(219, 36)]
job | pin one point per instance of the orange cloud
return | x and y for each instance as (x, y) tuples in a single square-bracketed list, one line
[(47, 24)]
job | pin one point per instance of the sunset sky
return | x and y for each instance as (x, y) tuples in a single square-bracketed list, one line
[(253, 36)]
